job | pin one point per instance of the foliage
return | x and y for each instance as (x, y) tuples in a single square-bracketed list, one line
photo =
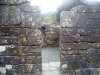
[(10, 3), (51, 20)]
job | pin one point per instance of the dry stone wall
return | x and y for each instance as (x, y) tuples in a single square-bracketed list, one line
[(50, 35), (20, 38), (80, 41)]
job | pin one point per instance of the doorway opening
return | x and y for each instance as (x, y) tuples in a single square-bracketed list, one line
[(51, 61)]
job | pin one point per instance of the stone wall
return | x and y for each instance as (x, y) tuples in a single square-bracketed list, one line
[(80, 41), (50, 34), (20, 38)]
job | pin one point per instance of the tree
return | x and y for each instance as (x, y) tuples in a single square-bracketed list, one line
[(51, 20)]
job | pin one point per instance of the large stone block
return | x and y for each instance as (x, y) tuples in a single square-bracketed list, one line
[(20, 51), (88, 71), (71, 57), (68, 31), (70, 39), (7, 40), (31, 9), (10, 16), (73, 65), (75, 46), (31, 20), (34, 69), (87, 31), (92, 57), (93, 64), (72, 19), (7, 31), (14, 1), (29, 69), (92, 15), (91, 39), (72, 52), (95, 45), (9, 60), (68, 72), (91, 23)]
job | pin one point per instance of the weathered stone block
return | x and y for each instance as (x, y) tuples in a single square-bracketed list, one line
[(73, 65), (88, 71), (95, 45), (92, 15), (93, 64), (72, 19), (72, 52), (28, 69), (91, 39), (68, 72), (22, 69), (14, 1), (87, 31), (92, 57), (10, 60), (71, 57), (71, 39), (91, 23), (10, 15), (7, 40), (90, 54), (68, 31), (31, 9), (28, 41), (31, 20), (7, 31), (20, 50), (75, 46)]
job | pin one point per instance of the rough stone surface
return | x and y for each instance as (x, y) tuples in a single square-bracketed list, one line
[(8, 14), (50, 35), (20, 38), (80, 40), (15, 1)]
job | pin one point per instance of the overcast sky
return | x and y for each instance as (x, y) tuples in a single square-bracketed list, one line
[(47, 5)]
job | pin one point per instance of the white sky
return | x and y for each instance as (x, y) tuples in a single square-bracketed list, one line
[(47, 5)]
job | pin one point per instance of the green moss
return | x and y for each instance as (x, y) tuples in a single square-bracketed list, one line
[(11, 3)]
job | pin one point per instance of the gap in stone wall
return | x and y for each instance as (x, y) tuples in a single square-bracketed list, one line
[(51, 61)]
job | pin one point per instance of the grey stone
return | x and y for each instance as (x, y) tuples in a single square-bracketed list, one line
[(31, 20), (20, 50), (72, 52), (89, 9), (92, 15), (88, 71), (75, 46), (31, 9), (68, 31), (68, 72), (71, 57), (91, 23), (13, 60), (70, 39), (14, 1), (72, 19), (87, 31), (10, 15), (73, 65)]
